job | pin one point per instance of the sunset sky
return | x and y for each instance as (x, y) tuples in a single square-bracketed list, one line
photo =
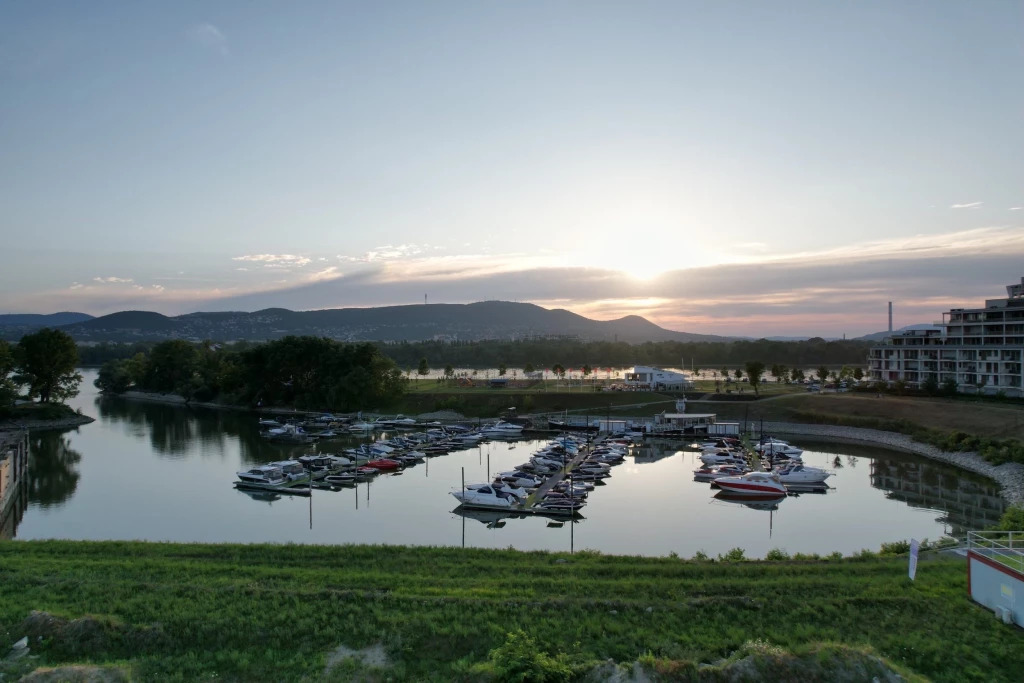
[(720, 167)]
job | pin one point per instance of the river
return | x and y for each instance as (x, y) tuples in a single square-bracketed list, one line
[(159, 472)]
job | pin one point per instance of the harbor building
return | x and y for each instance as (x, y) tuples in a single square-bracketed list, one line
[(657, 379), (980, 349)]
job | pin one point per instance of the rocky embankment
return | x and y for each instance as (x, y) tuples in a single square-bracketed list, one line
[(1009, 476), (69, 422)]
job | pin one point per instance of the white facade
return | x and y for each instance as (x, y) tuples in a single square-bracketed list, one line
[(980, 348), (656, 378)]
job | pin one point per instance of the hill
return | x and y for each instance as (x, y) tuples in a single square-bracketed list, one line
[(14, 325), (880, 336), (465, 322)]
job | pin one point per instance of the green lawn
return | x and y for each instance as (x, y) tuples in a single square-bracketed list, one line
[(273, 613)]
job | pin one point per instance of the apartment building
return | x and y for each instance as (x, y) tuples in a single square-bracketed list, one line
[(980, 348)]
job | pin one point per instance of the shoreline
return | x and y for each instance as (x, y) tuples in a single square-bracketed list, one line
[(46, 425), (1009, 476)]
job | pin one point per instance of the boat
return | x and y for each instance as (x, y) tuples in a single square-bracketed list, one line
[(487, 497), (384, 464), (711, 473), (797, 474), (347, 478), (288, 434), (520, 479), (569, 427), (293, 469), (502, 487), (268, 424), (752, 482), (404, 422), (361, 427), (502, 428), (773, 447), (722, 458), (264, 474)]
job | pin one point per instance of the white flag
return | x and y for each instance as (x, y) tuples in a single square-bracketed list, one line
[(913, 558)]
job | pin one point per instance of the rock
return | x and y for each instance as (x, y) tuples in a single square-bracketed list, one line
[(613, 612), (17, 654), (649, 610), (561, 562), (21, 644)]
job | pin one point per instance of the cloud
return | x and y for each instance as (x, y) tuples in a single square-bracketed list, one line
[(972, 205), (329, 272), (1016, 208), (210, 37), (76, 285), (114, 280), (275, 260), (157, 288)]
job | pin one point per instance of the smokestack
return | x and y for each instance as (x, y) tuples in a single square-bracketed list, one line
[(890, 316)]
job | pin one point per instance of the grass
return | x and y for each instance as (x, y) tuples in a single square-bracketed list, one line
[(37, 411), (487, 402), (981, 417), (183, 612)]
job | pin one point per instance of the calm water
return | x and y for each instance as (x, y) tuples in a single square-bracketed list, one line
[(156, 472)]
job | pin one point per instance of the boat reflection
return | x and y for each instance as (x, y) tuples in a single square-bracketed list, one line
[(492, 519), (262, 496), (754, 501)]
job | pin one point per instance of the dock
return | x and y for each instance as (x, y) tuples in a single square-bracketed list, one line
[(554, 479)]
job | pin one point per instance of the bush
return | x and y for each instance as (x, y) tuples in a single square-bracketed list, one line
[(777, 555), (734, 555), (1012, 519), (520, 660), (895, 548)]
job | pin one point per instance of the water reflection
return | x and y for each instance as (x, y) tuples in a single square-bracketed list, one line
[(52, 469), (164, 472)]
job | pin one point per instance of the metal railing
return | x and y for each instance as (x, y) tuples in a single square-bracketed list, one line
[(1005, 547)]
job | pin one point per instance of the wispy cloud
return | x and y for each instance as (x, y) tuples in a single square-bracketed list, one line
[(1016, 208), (971, 205), (210, 37), (114, 280), (275, 260), (76, 285)]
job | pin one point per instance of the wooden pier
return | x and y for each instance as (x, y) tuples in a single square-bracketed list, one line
[(555, 478)]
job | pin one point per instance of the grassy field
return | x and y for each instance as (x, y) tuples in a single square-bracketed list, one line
[(173, 612), (487, 402), (984, 418)]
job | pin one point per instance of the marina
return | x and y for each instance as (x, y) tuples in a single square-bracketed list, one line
[(162, 472)]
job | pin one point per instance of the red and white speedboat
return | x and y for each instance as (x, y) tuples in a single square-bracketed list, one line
[(384, 464), (754, 482)]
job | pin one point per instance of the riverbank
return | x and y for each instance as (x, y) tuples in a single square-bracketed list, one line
[(283, 613), (1009, 476), (37, 417)]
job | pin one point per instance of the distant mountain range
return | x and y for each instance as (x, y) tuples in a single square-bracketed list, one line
[(880, 336), (464, 322), (14, 325)]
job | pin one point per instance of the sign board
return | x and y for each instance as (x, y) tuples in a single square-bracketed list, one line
[(913, 558)]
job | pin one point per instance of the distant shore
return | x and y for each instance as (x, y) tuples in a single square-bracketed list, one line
[(46, 425)]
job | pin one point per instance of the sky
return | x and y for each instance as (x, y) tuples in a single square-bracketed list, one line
[(730, 167)]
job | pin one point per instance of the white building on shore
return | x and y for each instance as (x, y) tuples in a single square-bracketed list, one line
[(657, 379), (979, 348)]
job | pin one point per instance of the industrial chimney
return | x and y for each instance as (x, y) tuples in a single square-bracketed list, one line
[(890, 316)]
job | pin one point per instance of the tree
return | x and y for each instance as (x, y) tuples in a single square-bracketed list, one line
[(738, 373), (858, 374), (424, 367), (822, 374), (8, 388), (449, 371), (46, 362), (783, 373), (724, 372), (949, 386), (586, 370), (502, 369), (899, 386), (845, 373), (528, 368), (558, 370), (114, 377), (755, 369), (796, 374), (173, 367), (931, 385)]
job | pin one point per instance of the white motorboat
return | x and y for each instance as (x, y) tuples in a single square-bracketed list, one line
[(380, 449), (487, 497), (801, 474), (292, 469), (502, 428), (361, 426), (711, 473), (752, 483), (775, 450), (502, 487), (265, 474), (288, 434), (722, 458), (402, 421), (267, 424), (520, 479)]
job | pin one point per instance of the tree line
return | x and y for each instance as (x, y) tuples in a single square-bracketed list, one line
[(545, 353), (313, 373)]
